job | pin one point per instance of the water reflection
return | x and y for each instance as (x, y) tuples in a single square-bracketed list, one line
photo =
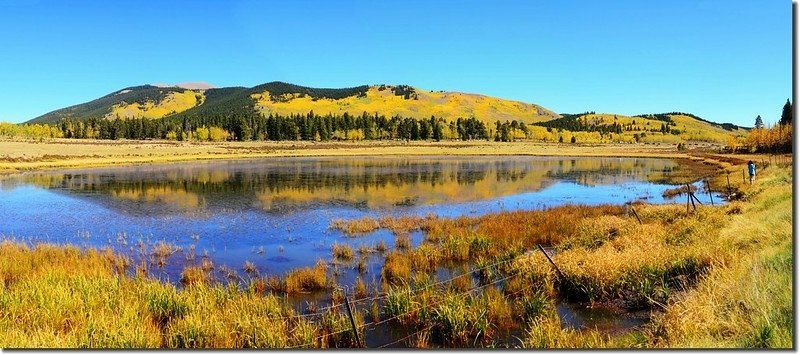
[(276, 213), (285, 185)]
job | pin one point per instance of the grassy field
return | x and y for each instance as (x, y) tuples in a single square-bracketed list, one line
[(717, 277), (19, 155)]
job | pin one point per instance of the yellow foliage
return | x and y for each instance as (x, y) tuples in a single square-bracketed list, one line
[(422, 105), (12, 130), (762, 139), (174, 102)]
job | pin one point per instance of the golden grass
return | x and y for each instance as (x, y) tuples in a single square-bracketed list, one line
[(746, 300), (55, 296), (192, 275), (671, 193), (740, 257), (301, 280), (26, 155), (396, 268), (355, 227), (342, 252), (402, 242), (721, 275), (380, 247)]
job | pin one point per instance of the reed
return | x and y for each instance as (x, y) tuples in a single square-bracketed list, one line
[(342, 252), (356, 227), (305, 279), (192, 275), (360, 288), (250, 267), (396, 268), (402, 242), (63, 297)]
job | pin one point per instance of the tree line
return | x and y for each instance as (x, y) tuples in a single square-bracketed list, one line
[(775, 139), (311, 126), (581, 123)]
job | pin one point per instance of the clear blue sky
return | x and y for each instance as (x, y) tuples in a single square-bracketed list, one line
[(726, 61)]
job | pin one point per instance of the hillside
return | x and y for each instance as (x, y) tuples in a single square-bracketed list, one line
[(150, 101), (127, 102), (243, 113), (404, 101), (673, 127)]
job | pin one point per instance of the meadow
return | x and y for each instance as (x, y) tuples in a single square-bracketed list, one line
[(707, 276), (26, 155)]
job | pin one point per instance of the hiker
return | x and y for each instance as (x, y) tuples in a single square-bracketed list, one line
[(751, 168)]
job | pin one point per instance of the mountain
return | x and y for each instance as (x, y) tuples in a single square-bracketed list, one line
[(136, 101), (197, 102), (198, 99), (672, 127)]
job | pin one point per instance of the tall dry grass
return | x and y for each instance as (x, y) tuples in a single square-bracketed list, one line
[(53, 296)]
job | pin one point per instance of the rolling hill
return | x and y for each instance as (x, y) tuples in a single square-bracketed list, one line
[(150, 101), (197, 102)]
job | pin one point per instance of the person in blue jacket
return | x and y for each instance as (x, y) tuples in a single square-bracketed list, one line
[(751, 168)]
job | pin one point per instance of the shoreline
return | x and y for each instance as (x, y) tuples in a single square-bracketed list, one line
[(29, 156)]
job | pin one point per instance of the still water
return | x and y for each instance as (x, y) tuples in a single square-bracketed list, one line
[(276, 213)]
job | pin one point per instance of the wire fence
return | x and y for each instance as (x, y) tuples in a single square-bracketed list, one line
[(315, 317), (373, 325)]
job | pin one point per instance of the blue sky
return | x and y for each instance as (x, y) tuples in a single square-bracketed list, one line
[(726, 61)]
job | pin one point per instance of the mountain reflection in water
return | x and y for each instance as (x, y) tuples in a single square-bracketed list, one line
[(285, 185), (276, 213)]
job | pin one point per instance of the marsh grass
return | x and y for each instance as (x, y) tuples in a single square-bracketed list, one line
[(396, 268), (402, 242), (681, 190), (356, 227), (746, 299), (250, 267), (398, 225), (55, 296), (719, 277), (342, 252), (193, 275), (301, 280), (380, 247)]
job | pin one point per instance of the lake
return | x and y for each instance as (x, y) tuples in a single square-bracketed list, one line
[(277, 212)]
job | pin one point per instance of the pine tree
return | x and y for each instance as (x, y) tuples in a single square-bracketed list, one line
[(759, 122), (786, 116)]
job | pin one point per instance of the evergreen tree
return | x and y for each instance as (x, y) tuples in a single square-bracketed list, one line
[(759, 122), (786, 115)]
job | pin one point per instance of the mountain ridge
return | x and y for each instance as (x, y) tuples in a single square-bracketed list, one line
[(286, 99)]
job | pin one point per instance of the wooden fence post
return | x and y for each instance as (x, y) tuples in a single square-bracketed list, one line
[(352, 321), (636, 215), (729, 185), (560, 275), (710, 195)]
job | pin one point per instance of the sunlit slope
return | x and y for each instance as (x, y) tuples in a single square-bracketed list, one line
[(405, 102), (695, 129), (648, 128), (137, 101), (172, 103)]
